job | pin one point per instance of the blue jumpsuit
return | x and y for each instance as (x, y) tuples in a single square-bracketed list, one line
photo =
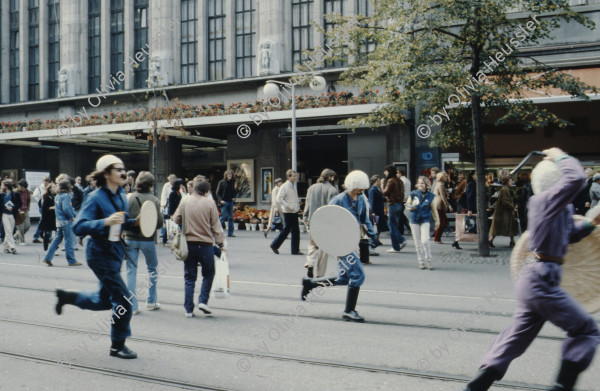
[(104, 258)]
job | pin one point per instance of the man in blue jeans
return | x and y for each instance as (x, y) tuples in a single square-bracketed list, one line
[(64, 225), (351, 272), (137, 242), (226, 198), (394, 193), (202, 229)]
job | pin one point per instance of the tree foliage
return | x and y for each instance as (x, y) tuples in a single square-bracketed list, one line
[(424, 54)]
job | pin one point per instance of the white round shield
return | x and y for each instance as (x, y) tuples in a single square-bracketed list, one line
[(335, 230), (148, 217)]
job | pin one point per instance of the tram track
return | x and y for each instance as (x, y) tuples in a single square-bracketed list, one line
[(406, 372), (336, 319), (140, 377)]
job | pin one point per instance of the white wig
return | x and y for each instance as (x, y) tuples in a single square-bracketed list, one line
[(356, 180), (544, 175)]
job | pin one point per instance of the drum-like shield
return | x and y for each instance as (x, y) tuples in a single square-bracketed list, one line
[(148, 218), (581, 269), (335, 230)]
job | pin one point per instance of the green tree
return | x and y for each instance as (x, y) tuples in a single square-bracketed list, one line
[(459, 61)]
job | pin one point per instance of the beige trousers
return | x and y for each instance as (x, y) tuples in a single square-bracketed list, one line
[(316, 258), (8, 221)]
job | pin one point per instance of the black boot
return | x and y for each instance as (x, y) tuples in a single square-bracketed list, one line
[(456, 246), (118, 349), (309, 283), (483, 381), (567, 376), (64, 297), (350, 313)]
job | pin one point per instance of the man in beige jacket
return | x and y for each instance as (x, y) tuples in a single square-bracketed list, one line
[(317, 196), (287, 201), (202, 231)]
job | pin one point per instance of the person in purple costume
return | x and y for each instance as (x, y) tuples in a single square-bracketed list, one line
[(556, 181)]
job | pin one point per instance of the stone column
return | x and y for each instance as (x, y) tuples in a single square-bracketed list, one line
[(202, 46), (4, 47), (23, 51), (43, 49), (230, 62), (273, 36), (73, 46), (104, 42), (169, 160), (129, 23), (163, 38)]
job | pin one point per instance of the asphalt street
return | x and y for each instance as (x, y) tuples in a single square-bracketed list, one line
[(424, 330)]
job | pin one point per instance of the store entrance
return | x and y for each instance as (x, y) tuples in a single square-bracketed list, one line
[(316, 152)]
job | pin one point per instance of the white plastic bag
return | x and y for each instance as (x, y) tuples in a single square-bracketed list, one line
[(220, 285)]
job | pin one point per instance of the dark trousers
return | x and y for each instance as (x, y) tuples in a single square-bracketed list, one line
[(205, 256), (113, 294), (443, 224), (291, 225), (404, 223)]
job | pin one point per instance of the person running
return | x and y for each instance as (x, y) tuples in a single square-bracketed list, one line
[(351, 273), (137, 242), (287, 200), (202, 230), (317, 196), (103, 215), (419, 203), (65, 214), (556, 182)]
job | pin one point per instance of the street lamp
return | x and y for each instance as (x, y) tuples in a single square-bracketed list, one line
[(271, 90)]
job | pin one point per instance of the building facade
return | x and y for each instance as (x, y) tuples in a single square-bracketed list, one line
[(81, 78)]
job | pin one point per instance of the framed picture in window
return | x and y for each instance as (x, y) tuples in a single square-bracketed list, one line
[(243, 176)]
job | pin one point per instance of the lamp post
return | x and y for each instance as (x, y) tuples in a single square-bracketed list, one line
[(271, 90)]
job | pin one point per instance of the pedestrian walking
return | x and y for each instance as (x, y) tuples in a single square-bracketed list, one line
[(274, 213), (394, 193), (419, 203), (38, 193), (351, 272), (377, 204), (164, 207), (407, 189), (48, 220), (504, 222), (555, 181), (287, 200), (65, 214), (202, 231), (22, 220), (102, 217), (11, 203), (317, 196), (226, 196), (177, 192), (137, 242), (440, 205)]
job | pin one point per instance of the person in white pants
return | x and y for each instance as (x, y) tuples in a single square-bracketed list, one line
[(10, 204), (419, 204)]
